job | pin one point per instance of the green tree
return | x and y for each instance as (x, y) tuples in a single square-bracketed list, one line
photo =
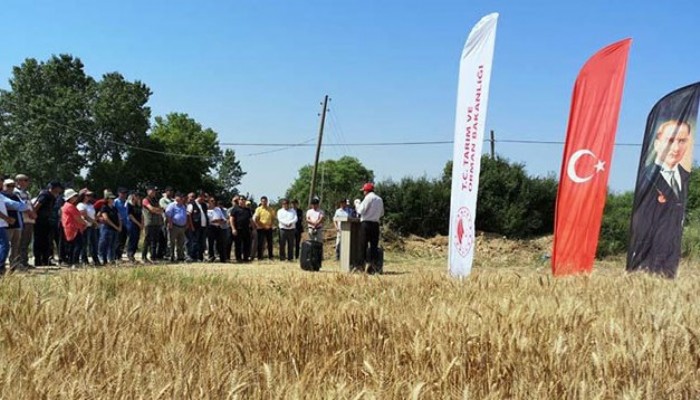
[(614, 229), (418, 206), (336, 179), (512, 203), (47, 119), (228, 175), (179, 134), (121, 116)]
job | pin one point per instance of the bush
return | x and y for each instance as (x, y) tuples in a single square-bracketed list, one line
[(416, 206), (512, 203), (509, 202), (614, 230)]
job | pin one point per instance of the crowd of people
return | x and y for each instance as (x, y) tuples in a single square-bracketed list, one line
[(76, 228)]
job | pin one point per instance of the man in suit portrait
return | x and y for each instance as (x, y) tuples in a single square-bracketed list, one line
[(657, 223)]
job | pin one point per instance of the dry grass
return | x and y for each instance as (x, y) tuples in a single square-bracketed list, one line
[(273, 331)]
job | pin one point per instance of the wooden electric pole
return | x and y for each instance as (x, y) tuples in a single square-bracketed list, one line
[(493, 146), (318, 147)]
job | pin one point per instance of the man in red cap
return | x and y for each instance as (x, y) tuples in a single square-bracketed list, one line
[(370, 209)]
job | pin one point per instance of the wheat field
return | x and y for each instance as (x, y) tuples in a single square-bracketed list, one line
[(272, 331)]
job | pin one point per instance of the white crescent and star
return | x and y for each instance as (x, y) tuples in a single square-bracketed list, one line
[(571, 168)]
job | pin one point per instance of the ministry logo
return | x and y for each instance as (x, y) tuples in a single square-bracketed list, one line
[(464, 232)]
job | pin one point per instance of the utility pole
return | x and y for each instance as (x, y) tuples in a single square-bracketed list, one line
[(318, 147), (493, 146)]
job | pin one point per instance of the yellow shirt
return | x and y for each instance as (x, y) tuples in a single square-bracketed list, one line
[(264, 216)]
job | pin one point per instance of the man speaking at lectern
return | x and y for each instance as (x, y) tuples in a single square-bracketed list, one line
[(370, 209)]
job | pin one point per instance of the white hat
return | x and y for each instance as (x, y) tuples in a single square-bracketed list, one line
[(69, 193), (8, 182)]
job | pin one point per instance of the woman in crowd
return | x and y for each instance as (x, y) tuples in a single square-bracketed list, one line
[(109, 231), (73, 226), (215, 231), (134, 224), (91, 235)]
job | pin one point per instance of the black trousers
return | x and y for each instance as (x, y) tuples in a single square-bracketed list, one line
[(121, 241), (74, 249), (287, 244), (370, 236), (151, 242), (215, 242), (228, 243), (264, 235), (162, 244), (61, 243), (297, 242), (198, 243), (42, 243), (242, 243)]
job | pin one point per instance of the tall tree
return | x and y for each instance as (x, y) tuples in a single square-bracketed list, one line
[(121, 119), (121, 116), (337, 179), (46, 118), (192, 152), (228, 175)]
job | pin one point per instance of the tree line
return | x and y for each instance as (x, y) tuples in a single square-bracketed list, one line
[(59, 123), (510, 202)]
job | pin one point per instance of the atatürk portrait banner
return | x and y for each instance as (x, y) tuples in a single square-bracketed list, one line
[(662, 183)]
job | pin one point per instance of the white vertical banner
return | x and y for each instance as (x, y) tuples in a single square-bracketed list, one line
[(470, 119)]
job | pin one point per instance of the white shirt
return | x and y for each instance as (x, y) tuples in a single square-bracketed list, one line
[(216, 215), (88, 208), (287, 218), (314, 215), (371, 208)]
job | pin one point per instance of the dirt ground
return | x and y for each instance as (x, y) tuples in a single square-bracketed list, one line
[(498, 250)]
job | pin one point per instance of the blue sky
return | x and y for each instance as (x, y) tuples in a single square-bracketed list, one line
[(255, 71)]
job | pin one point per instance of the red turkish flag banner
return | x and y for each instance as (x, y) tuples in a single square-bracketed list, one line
[(590, 137)]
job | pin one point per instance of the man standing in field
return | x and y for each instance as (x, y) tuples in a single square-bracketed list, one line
[(287, 219), (5, 221), (43, 228), (164, 238), (241, 221), (177, 226), (22, 182), (370, 209), (197, 224), (153, 223), (120, 205), (314, 220), (264, 217), (14, 230)]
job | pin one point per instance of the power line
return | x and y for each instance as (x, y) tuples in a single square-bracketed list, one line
[(417, 143), (337, 144), (304, 143)]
